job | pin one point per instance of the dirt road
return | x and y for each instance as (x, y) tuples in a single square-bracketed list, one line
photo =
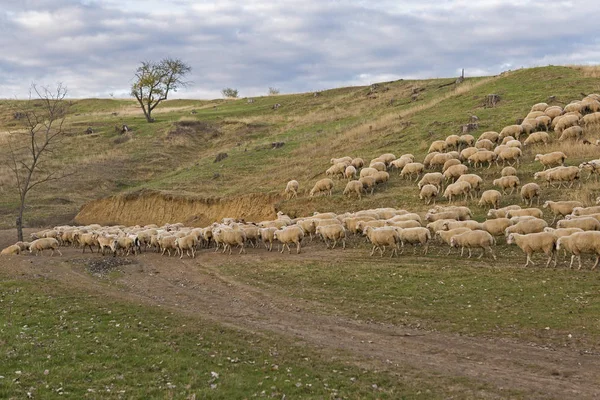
[(197, 287)]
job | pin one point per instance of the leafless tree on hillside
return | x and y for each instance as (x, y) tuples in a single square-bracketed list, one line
[(43, 116)]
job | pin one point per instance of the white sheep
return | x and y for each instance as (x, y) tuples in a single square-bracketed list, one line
[(511, 130), (508, 171), (412, 168), (581, 242), (440, 159), (40, 245), (290, 234), (525, 212), (446, 236), (449, 163), (474, 239), (11, 250), (267, 235), (323, 185), (456, 189), (507, 182), (354, 187), (428, 193), (336, 170), (571, 133), (438, 145), (530, 191), (490, 135), (466, 140), (432, 178), (510, 155), (415, 236), (484, 144), (587, 223), (357, 163), (560, 175), (475, 180), (334, 233), (501, 212), (497, 226), (561, 208), (533, 225), (343, 160), (468, 152), (378, 165), (471, 224), (383, 237), (187, 243), (490, 197), (367, 172), (536, 138), (350, 172), (454, 172), (481, 157), (535, 242), (368, 182)]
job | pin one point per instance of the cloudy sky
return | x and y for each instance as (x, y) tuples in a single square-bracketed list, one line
[(94, 46)]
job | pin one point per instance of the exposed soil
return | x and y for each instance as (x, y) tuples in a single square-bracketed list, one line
[(197, 287)]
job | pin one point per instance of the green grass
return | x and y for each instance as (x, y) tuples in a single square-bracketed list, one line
[(471, 297), (61, 343)]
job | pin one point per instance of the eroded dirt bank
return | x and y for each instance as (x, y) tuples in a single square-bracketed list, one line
[(155, 207)]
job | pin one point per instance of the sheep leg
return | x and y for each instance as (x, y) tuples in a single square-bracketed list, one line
[(469, 252), (597, 261), (298, 248), (462, 249), (373, 250), (571, 264), (579, 259), (529, 260), (344, 244), (482, 253), (492, 252), (549, 259)]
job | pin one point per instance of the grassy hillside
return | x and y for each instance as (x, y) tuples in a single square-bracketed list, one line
[(177, 152)]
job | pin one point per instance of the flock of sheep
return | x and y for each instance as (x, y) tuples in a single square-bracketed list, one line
[(449, 161)]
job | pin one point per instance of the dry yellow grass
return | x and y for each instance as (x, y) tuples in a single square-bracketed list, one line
[(589, 71)]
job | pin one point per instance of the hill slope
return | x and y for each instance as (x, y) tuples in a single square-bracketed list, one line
[(176, 154)]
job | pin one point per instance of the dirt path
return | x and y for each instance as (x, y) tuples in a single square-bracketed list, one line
[(197, 287)]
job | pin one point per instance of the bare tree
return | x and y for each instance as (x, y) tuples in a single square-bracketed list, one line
[(230, 93), (154, 81), (43, 117)]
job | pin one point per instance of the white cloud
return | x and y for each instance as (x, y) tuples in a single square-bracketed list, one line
[(94, 46)]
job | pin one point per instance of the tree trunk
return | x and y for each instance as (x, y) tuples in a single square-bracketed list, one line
[(20, 223)]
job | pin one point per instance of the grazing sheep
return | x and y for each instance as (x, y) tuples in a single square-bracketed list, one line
[(507, 139), (432, 178), (354, 187), (415, 236), (561, 208), (452, 141), (508, 171), (490, 135), (536, 138), (475, 180), (466, 140), (484, 144), (578, 211), (267, 235), (11, 250), (332, 232), (474, 239), (585, 223), (412, 168), (323, 185), (512, 143), (468, 152), (539, 107), (481, 157), (336, 170), (428, 158), (367, 172), (40, 245), (368, 182), (535, 242), (187, 243), (343, 160), (511, 155), (553, 111), (512, 130), (507, 182), (357, 163), (564, 122), (437, 226), (403, 224), (23, 245), (563, 175), (533, 225), (471, 224), (581, 242), (438, 145), (591, 119), (309, 226), (525, 212), (454, 172), (543, 122), (529, 192), (593, 167), (350, 172), (572, 133), (456, 189), (527, 128), (440, 159), (496, 227), (428, 192), (463, 213), (401, 162), (490, 197), (381, 177), (387, 158), (88, 240), (382, 237), (449, 163), (443, 215), (378, 165), (290, 234), (446, 236)]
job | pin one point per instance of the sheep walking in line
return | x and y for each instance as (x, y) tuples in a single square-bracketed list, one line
[(535, 242)]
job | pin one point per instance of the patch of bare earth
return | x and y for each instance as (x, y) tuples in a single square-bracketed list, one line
[(196, 287)]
